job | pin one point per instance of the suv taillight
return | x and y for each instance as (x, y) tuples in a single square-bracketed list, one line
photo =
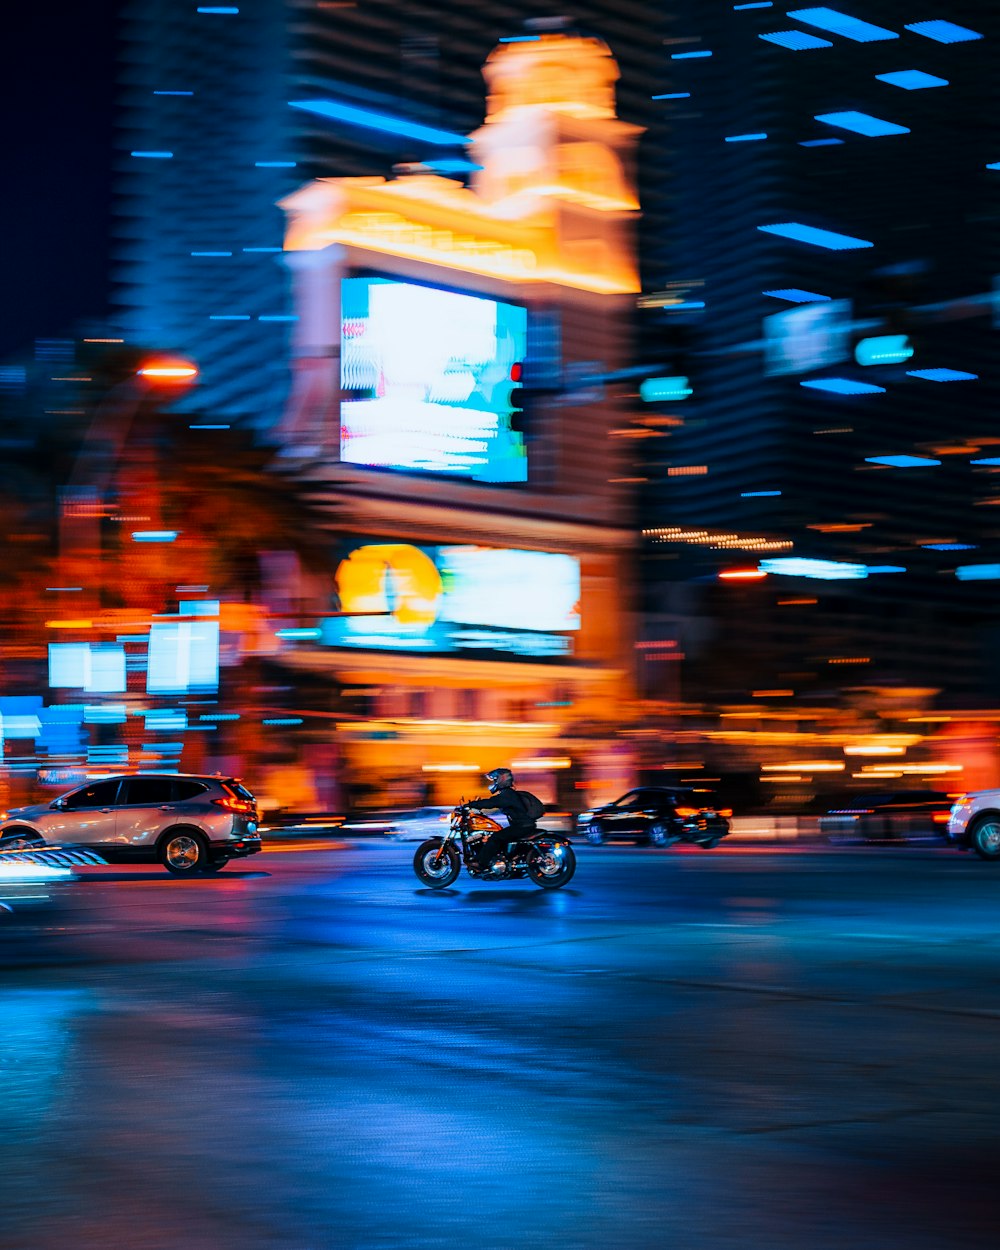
[(686, 811), (235, 805)]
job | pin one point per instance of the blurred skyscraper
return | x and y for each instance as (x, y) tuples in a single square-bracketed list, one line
[(835, 244), (209, 142)]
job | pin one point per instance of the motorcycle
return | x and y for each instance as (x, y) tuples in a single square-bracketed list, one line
[(546, 858)]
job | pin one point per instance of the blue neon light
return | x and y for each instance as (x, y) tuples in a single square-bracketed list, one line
[(795, 40), (942, 375), (862, 123), (455, 166), (902, 462), (758, 494), (658, 390), (841, 24), (294, 635), (687, 56), (262, 249), (819, 143), (803, 566), (173, 93), (210, 427), (278, 317), (519, 39), (977, 572), (796, 296), (818, 238), (912, 79), (355, 116), (987, 460), (229, 317), (884, 349), (757, 4), (684, 304), (217, 8), (673, 95), (950, 546), (282, 720), (843, 386), (746, 138), (154, 156), (211, 253), (993, 165), (887, 568), (944, 32), (154, 536), (274, 164)]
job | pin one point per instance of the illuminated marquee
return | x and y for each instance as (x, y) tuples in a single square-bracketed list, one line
[(490, 601)]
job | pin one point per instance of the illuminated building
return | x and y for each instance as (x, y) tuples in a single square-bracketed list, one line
[(484, 565), (209, 142), (834, 210)]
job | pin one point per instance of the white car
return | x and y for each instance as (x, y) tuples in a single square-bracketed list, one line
[(432, 822), (974, 823)]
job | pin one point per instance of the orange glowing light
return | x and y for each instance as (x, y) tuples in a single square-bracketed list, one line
[(742, 575), (168, 369)]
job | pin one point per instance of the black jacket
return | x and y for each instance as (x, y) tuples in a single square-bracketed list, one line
[(506, 801)]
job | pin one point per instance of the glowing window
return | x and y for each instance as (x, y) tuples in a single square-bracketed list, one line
[(944, 32), (795, 40), (862, 123), (795, 295), (942, 375), (842, 24), (843, 386), (912, 79), (903, 462), (818, 238)]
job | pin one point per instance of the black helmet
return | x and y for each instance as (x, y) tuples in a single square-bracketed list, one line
[(500, 779)]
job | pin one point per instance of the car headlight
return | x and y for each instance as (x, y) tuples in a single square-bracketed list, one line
[(584, 817)]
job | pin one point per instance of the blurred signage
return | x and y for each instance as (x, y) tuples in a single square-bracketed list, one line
[(426, 380), (487, 601)]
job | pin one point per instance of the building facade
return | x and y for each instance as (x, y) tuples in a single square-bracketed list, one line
[(483, 582)]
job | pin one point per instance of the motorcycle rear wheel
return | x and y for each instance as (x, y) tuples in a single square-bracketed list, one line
[(552, 869), (436, 864)]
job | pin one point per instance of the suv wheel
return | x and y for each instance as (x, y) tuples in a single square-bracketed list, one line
[(595, 833), (985, 837), (183, 853)]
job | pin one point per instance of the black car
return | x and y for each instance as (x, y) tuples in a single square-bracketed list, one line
[(659, 815), (887, 816)]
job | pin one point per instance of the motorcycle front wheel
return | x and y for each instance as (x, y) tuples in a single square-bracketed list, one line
[(553, 868), (436, 863)]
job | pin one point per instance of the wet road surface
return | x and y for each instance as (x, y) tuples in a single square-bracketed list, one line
[(739, 1048)]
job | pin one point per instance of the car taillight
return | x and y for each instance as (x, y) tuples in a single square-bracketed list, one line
[(235, 805), (686, 811), (941, 818), (725, 811)]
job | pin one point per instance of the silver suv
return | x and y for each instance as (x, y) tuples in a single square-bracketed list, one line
[(187, 823)]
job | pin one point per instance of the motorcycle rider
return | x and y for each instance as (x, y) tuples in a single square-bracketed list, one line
[(507, 802)]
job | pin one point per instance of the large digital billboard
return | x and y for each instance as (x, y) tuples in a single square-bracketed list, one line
[(456, 599), (425, 377)]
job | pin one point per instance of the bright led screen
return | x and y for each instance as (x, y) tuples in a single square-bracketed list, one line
[(456, 599), (426, 380)]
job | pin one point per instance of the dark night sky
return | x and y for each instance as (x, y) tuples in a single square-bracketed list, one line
[(57, 92)]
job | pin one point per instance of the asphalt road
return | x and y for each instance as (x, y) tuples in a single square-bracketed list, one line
[(791, 1050)]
